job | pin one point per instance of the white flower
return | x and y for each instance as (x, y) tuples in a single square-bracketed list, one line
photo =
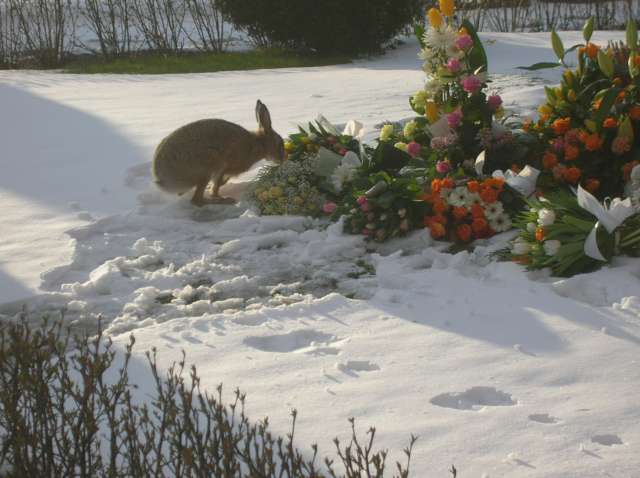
[(501, 223), (420, 98), (546, 217), (531, 227), (458, 197), (551, 247), (386, 132), (520, 247), (493, 210), (473, 198), (442, 39), (426, 54), (345, 171)]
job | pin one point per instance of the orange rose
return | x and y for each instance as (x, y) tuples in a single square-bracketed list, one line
[(561, 126), (610, 123), (473, 186), (593, 142), (463, 231), (549, 160), (437, 230), (591, 50), (540, 233), (596, 104), (440, 219), (636, 60), (477, 212), (489, 195), (495, 183), (479, 225), (572, 175), (571, 152), (634, 112), (460, 213), (592, 185), (448, 183), (436, 185), (439, 207), (621, 96)]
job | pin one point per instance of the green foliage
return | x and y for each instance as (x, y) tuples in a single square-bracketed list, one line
[(68, 407), (331, 26)]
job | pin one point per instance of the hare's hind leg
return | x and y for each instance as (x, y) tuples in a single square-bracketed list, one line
[(219, 180)]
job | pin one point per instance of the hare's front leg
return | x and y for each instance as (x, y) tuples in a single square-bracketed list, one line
[(219, 180), (198, 196)]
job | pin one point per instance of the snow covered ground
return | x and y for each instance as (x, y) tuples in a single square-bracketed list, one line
[(501, 372)]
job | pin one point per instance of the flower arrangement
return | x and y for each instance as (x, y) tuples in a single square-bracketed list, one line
[(321, 164), (590, 123), (463, 211), (573, 235)]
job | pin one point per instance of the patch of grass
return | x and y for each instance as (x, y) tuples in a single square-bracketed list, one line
[(158, 64)]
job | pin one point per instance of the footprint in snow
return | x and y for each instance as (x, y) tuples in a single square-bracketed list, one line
[(291, 341), (608, 439), (543, 418), (352, 367), (475, 398)]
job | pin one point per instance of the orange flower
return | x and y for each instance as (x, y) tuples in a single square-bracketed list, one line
[(592, 185), (540, 233), (477, 212), (448, 183), (495, 183), (593, 142), (634, 112), (617, 81), (591, 50), (561, 126), (489, 195), (571, 152), (636, 60), (439, 206), (572, 175), (463, 231), (549, 160), (473, 186), (621, 96), (460, 213), (596, 104), (437, 230), (479, 225), (610, 123), (436, 185)]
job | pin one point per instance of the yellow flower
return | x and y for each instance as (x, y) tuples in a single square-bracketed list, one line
[(401, 146), (545, 110), (432, 112), (275, 192), (571, 95), (305, 140), (435, 18), (386, 132), (447, 7), (289, 147), (410, 129)]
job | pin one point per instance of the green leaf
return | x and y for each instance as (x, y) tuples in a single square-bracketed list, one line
[(587, 30), (632, 34), (558, 46), (477, 55), (539, 66), (605, 62), (608, 101), (626, 129), (418, 31)]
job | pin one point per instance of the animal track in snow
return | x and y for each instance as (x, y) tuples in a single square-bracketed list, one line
[(608, 439), (352, 367), (474, 398), (543, 418), (289, 342)]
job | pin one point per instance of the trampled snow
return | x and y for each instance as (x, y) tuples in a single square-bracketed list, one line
[(501, 372)]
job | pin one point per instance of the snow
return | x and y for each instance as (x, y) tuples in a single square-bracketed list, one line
[(501, 372)]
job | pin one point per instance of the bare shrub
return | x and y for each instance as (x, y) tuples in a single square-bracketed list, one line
[(110, 23), (11, 37), (211, 32), (161, 23)]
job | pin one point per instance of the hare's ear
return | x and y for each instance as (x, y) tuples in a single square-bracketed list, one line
[(263, 116)]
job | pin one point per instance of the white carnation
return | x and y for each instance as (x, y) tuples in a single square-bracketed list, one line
[(551, 247), (546, 217), (458, 197), (493, 210)]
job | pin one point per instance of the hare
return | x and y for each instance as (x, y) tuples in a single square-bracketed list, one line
[(213, 149)]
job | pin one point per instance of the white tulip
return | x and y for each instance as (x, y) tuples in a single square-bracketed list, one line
[(546, 217), (520, 247), (551, 247)]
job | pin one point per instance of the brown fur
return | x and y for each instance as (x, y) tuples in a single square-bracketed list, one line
[(213, 149)]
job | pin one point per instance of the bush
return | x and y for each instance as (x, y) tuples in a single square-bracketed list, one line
[(332, 26), (68, 409)]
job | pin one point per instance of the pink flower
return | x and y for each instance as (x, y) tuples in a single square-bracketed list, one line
[(443, 167), (329, 207), (342, 151), (464, 42), (558, 145), (494, 102), (454, 65), (620, 145), (361, 200), (454, 119), (438, 143), (471, 84), (414, 149)]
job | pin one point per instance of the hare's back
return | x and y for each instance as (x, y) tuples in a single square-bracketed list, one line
[(209, 134)]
